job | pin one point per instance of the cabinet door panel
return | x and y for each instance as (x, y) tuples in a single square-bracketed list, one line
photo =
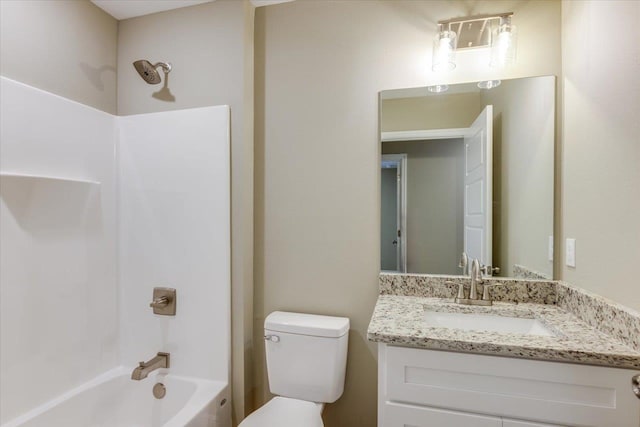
[(547, 392), (398, 415)]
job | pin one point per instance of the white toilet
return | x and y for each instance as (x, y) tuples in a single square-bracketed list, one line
[(306, 362)]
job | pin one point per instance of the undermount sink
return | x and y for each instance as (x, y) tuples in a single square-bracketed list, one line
[(485, 322)]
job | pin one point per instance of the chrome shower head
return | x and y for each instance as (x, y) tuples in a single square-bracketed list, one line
[(149, 72)]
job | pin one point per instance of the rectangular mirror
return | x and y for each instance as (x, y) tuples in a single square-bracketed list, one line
[(471, 170)]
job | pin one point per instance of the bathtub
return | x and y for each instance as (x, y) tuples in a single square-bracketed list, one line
[(114, 400)]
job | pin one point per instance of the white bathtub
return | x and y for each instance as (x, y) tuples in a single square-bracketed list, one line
[(114, 400)]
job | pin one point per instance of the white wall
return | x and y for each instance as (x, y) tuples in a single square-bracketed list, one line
[(320, 66), (174, 207), (524, 131), (211, 49), (601, 141), (58, 294)]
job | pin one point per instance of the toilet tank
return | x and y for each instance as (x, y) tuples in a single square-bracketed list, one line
[(306, 355)]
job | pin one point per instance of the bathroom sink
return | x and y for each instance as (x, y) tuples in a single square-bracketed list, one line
[(484, 322)]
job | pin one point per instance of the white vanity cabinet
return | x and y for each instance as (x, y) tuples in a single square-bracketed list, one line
[(429, 388)]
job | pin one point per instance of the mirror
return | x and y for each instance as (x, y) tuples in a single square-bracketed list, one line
[(469, 170)]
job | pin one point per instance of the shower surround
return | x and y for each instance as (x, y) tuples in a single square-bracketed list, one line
[(95, 211)]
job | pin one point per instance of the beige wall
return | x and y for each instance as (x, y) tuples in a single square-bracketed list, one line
[(523, 138), (67, 47), (319, 68), (211, 49), (601, 137), (430, 112), (435, 203)]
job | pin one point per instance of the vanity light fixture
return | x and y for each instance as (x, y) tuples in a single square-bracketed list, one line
[(482, 31)]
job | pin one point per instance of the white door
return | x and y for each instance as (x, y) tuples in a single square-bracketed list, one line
[(478, 184)]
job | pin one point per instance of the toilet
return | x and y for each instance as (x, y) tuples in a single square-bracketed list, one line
[(306, 363)]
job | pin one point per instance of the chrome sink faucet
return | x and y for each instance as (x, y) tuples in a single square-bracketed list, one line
[(476, 278), (145, 368)]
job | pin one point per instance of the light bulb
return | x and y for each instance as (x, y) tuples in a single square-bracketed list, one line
[(503, 45), (438, 88), (444, 51), (489, 84)]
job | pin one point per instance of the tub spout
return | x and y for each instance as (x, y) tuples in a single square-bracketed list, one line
[(144, 368)]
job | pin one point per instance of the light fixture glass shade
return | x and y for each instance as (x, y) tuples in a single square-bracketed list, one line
[(444, 51), (438, 88), (503, 45), (489, 84)]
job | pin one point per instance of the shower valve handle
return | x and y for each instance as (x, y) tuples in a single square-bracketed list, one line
[(159, 302)]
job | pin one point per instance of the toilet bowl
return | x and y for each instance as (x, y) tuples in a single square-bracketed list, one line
[(286, 412), (306, 363)]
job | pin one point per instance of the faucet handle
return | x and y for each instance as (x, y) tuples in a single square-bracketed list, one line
[(489, 270), (164, 301), (159, 302), (461, 295)]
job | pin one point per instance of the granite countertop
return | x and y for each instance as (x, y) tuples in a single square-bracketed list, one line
[(398, 320)]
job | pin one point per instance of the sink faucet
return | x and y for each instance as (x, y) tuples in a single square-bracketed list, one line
[(476, 278), (144, 368)]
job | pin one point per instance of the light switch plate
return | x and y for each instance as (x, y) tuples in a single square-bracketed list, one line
[(550, 250), (570, 255)]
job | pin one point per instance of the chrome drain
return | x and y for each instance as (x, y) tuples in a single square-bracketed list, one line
[(159, 390)]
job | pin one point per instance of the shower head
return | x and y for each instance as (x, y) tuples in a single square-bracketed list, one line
[(149, 72)]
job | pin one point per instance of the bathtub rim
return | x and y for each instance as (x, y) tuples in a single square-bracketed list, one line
[(206, 392)]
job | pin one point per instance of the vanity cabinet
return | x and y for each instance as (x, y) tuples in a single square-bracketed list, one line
[(429, 388)]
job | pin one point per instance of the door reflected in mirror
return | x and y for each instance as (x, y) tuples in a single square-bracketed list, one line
[(469, 170)]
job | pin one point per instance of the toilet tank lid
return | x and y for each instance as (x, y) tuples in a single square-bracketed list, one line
[(307, 324)]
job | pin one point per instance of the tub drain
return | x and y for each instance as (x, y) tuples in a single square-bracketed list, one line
[(159, 390)]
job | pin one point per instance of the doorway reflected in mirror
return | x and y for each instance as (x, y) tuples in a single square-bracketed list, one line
[(478, 178)]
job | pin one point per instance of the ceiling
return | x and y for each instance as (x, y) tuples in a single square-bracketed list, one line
[(124, 9)]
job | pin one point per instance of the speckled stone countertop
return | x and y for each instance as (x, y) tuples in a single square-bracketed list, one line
[(398, 320)]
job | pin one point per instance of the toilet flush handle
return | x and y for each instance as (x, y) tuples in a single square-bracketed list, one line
[(272, 338)]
